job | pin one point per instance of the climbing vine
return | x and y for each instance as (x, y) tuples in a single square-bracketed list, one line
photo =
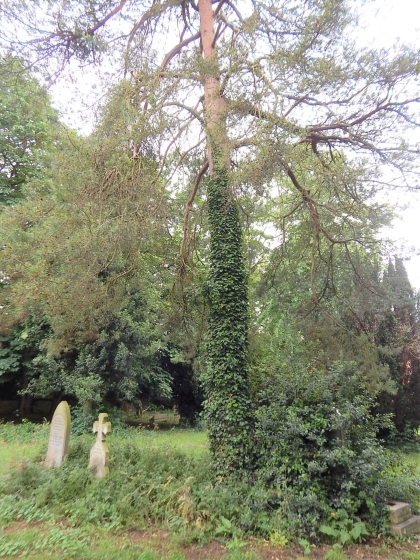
[(228, 405)]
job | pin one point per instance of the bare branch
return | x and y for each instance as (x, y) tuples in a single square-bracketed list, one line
[(153, 12)]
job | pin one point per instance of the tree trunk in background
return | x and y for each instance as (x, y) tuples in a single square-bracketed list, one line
[(24, 404), (228, 404)]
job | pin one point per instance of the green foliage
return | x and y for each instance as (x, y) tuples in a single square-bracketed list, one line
[(318, 449), (397, 339), (154, 484), (316, 331), (81, 255), (146, 485), (26, 128), (228, 408), (20, 346), (307, 546), (82, 420), (344, 530), (401, 478), (84, 255), (73, 542), (25, 432), (124, 360), (336, 553), (10, 354)]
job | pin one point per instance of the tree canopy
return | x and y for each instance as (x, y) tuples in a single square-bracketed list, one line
[(27, 123)]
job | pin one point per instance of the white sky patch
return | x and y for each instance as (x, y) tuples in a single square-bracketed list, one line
[(385, 24)]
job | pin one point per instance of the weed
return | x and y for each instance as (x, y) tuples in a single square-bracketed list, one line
[(235, 543), (278, 539), (307, 546), (344, 530), (335, 553), (412, 555), (26, 432)]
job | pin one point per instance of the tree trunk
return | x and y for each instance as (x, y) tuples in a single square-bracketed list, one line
[(23, 398), (228, 404)]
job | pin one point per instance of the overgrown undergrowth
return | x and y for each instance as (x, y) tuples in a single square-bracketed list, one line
[(166, 481), (155, 484)]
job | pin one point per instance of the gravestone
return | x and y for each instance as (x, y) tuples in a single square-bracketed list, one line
[(99, 452), (59, 436)]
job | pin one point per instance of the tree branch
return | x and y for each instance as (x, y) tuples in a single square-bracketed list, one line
[(183, 251), (108, 17), (176, 50)]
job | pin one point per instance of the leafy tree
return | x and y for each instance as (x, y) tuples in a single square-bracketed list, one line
[(27, 123), (18, 348), (122, 365), (273, 95), (326, 307)]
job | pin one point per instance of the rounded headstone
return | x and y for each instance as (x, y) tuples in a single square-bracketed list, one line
[(59, 436)]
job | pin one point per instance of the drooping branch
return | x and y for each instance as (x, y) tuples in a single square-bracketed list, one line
[(155, 11), (107, 17), (190, 201), (176, 50), (181, 159), (192, 110), (312, 205)]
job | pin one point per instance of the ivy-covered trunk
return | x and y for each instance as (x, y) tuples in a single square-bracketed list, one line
[(228, 404)]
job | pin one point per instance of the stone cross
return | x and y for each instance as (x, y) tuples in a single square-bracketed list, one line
[(59, 436), (99, 452)]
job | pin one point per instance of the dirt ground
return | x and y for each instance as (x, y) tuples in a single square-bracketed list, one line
[(373, 550)]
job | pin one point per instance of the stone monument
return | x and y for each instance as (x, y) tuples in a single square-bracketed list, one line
[(99, 452), (59, 436)]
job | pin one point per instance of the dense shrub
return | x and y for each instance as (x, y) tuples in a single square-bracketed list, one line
[(318, 450)]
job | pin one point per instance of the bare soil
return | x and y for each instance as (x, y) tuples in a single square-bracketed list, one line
[(161, 541)]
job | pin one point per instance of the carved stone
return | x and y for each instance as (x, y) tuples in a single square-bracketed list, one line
[(59, 436), (99, 452)]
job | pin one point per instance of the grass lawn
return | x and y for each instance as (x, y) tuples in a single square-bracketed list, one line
[(21, 443), (189, 441), (38, 537), (18, 445)]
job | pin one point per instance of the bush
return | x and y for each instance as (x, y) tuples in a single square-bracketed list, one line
[(318, 450), (82, 419)]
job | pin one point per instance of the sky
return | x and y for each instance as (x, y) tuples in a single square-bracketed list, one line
[(383, 23)]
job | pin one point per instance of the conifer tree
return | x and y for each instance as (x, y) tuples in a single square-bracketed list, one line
[(398, 339)]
